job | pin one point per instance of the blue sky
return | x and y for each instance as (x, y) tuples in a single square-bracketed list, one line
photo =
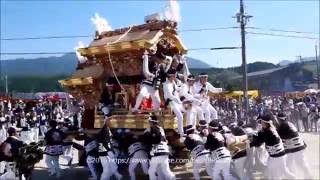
[(54, 18)]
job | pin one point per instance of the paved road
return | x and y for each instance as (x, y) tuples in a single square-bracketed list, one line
[(80, 173)]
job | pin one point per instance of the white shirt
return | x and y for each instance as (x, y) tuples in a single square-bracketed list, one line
[(3, 134), (2, 119), (188, 92), (147, 74), (23, 122), (170, 91), (208, 86)]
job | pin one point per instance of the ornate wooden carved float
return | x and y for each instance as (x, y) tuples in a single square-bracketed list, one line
[(117, 56)]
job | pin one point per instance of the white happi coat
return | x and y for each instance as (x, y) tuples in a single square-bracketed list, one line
[(209, 111)]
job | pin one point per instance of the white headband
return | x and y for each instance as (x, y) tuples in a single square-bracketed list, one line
[(190, 129), (204, 75), (152, 120)]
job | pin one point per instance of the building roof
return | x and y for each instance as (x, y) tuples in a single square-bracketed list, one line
[(83, 76), (133, 38), (262, 73), (91, 71)]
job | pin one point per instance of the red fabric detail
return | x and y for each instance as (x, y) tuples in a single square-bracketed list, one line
[(146, 104)]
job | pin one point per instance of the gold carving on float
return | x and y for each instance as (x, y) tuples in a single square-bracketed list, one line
[(76, 81), (134, 121)]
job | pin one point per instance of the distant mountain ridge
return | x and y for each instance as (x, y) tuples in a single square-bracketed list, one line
[(63, 65), (46, 66), (66, 65), (303, 59), (42, 74), (196, 63)]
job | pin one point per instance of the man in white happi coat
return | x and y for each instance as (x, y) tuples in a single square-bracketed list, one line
[(220, 155), (150, 85), (159, 162), (276, 163), (202, 87), (187, 92), (54, 148), (200, 156), (294, 146), (138, 153), (106, 154), (171, 96), (190, 112)]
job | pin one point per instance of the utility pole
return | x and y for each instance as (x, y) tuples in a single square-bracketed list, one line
[(317, 63), (6, 79), (300, 59), (243, 19)]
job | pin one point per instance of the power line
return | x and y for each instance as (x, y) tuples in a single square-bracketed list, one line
[(181, 31), (68, 52), (281, 35), (280, 30), (45, 37), (207, 29), (83, 36)]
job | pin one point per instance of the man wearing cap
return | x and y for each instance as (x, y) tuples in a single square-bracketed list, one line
[(187, 92), (293, 145), (199, 154), (150, 86), (202, 87), (171, 96), (276, 165), (159, 163)]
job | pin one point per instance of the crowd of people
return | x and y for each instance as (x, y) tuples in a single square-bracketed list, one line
[(219, 134), (224, 139), (303, 112), (27, 124)]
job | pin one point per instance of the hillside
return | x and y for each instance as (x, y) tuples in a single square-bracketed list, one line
[(293, 77), (41, 74), (196, 63), (48, 66), (64, 65)]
